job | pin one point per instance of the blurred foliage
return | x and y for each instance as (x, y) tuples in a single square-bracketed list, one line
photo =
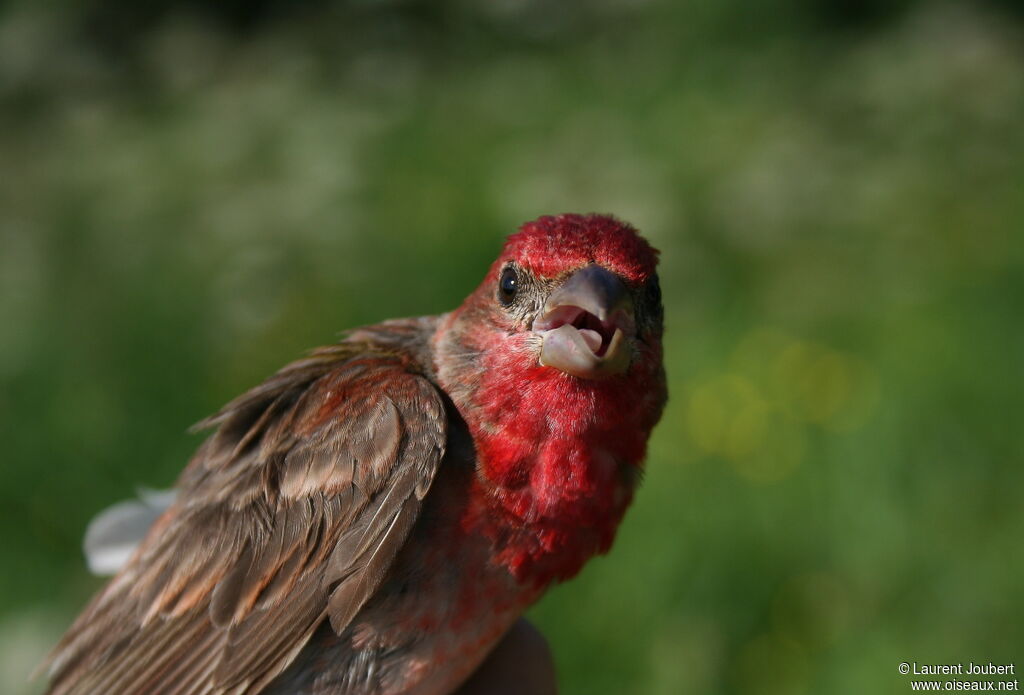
[(190, 197)]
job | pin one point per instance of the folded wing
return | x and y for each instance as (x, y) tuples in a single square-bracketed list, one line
[(290, 513)]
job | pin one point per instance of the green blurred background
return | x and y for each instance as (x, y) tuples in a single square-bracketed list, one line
[(190, 196)]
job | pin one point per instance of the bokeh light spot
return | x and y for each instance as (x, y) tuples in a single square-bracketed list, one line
[(813, 609), (781, 451), (771, 664), (729, 417)]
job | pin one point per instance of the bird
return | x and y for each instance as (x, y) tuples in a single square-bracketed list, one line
[(374, 517)]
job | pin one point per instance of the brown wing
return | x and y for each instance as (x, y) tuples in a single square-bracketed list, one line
[(290, 512)]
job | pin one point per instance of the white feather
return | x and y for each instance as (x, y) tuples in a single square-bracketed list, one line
[(114, 533)]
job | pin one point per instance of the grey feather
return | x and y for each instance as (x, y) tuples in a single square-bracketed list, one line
[(114, 534)]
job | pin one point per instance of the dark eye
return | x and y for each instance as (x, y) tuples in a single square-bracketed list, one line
[(508, 285)]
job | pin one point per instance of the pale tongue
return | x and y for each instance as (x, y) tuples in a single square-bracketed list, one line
[(591, 338)]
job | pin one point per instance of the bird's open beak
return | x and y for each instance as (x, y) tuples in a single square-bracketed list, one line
[(587, 325)]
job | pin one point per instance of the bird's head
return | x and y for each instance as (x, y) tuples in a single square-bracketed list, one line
[(578, 294)]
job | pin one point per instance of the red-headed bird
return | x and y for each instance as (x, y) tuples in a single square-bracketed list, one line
[(374, 518)]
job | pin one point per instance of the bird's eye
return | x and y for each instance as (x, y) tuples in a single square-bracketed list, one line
[(508, 285)]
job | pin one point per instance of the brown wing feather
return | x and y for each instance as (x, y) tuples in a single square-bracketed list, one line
[(290, 512)]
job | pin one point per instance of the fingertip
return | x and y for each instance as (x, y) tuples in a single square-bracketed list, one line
[(521, 664)]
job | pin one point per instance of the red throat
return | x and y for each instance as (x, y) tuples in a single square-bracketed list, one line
[(558, 459)]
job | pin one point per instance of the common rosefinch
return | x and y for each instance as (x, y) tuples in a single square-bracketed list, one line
[(372, 519)]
